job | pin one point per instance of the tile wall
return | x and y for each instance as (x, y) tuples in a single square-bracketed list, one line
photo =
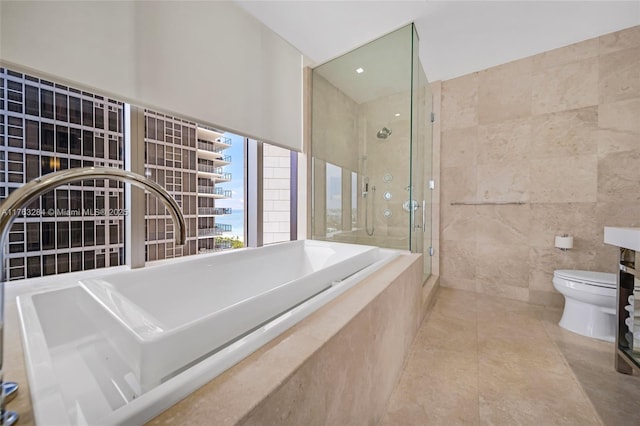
[(558, 132)]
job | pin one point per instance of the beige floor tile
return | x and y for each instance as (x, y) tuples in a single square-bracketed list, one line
[(521, 354), (444, 384), (613, 395), (447, 333), (485, 360), (521, 394)]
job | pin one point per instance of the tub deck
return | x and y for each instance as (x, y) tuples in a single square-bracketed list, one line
[(93, 351)]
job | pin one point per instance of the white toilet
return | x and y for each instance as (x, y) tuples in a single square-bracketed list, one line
[(590, 302)]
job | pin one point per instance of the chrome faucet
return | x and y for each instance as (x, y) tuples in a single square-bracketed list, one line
[(21, 198)]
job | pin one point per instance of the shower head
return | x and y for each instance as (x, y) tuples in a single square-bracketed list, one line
[(384, 133)]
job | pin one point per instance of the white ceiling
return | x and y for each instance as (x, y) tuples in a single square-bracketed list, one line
[(456, 37)]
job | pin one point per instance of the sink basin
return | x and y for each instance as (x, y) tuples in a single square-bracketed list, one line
[(622, 237)]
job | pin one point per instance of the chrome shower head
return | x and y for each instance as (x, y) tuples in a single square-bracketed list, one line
[(384, 133)]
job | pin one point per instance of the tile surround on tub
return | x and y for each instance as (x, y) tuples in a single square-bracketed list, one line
[(401, 284), (310, 363)]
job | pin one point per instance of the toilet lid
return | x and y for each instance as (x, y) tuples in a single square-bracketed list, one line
[(601, 279)]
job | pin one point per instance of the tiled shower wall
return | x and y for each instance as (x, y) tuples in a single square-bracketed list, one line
[(558, 132)]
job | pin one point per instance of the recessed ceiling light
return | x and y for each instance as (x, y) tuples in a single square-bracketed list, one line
[(359, 70), (397, 114)]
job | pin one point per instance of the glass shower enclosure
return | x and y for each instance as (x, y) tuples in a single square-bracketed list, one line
[(371, 145)]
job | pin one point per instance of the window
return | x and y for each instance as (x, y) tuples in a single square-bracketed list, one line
[(75, 110), (51, 127), (33, 237), (334, 199), (32, 134), (47, 127), (46, 103), (32, 104), (193, 163)]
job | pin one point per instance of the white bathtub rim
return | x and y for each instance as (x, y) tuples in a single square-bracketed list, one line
[(155, 401), (159, 333), (182, 385)]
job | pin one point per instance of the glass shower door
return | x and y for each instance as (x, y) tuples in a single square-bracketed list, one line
[(421, 160), (368, 145)]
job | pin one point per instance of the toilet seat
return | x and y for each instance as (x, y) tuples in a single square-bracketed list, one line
[(598, 279)]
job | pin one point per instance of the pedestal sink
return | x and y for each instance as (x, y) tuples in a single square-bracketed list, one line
[(628, 238)]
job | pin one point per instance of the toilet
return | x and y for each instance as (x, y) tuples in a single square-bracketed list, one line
[(590, 302)]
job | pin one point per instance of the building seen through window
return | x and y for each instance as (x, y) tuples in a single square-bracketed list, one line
[(190, 161), (45, 127)]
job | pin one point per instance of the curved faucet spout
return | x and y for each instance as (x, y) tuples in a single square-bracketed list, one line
[(21, 197)]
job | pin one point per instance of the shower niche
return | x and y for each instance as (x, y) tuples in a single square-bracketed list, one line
[(371, 146)]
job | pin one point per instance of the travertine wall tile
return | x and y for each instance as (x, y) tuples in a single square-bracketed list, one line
[(505, 181), (336, 142), (619, 124), (618, 213), (502, 290), (459, 184), (565, 55), (458, 259), (564, 179), (459, 146), (551, 219), (504, 141), (504, 92), (460, 224), (458, 283), (620, 40), (622, 117), (570, 86), (506, 265), (459, 102), (550, 299), (619, 176), (549, 259), (572, 154), (540, 280), (619, 75), (564, 134), (503, 225)]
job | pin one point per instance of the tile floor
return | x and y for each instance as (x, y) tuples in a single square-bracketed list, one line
[(484, 360)]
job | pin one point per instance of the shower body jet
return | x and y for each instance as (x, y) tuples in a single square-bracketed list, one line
[(383, 133)]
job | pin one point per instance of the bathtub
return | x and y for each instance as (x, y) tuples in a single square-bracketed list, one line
[(123, 347)]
